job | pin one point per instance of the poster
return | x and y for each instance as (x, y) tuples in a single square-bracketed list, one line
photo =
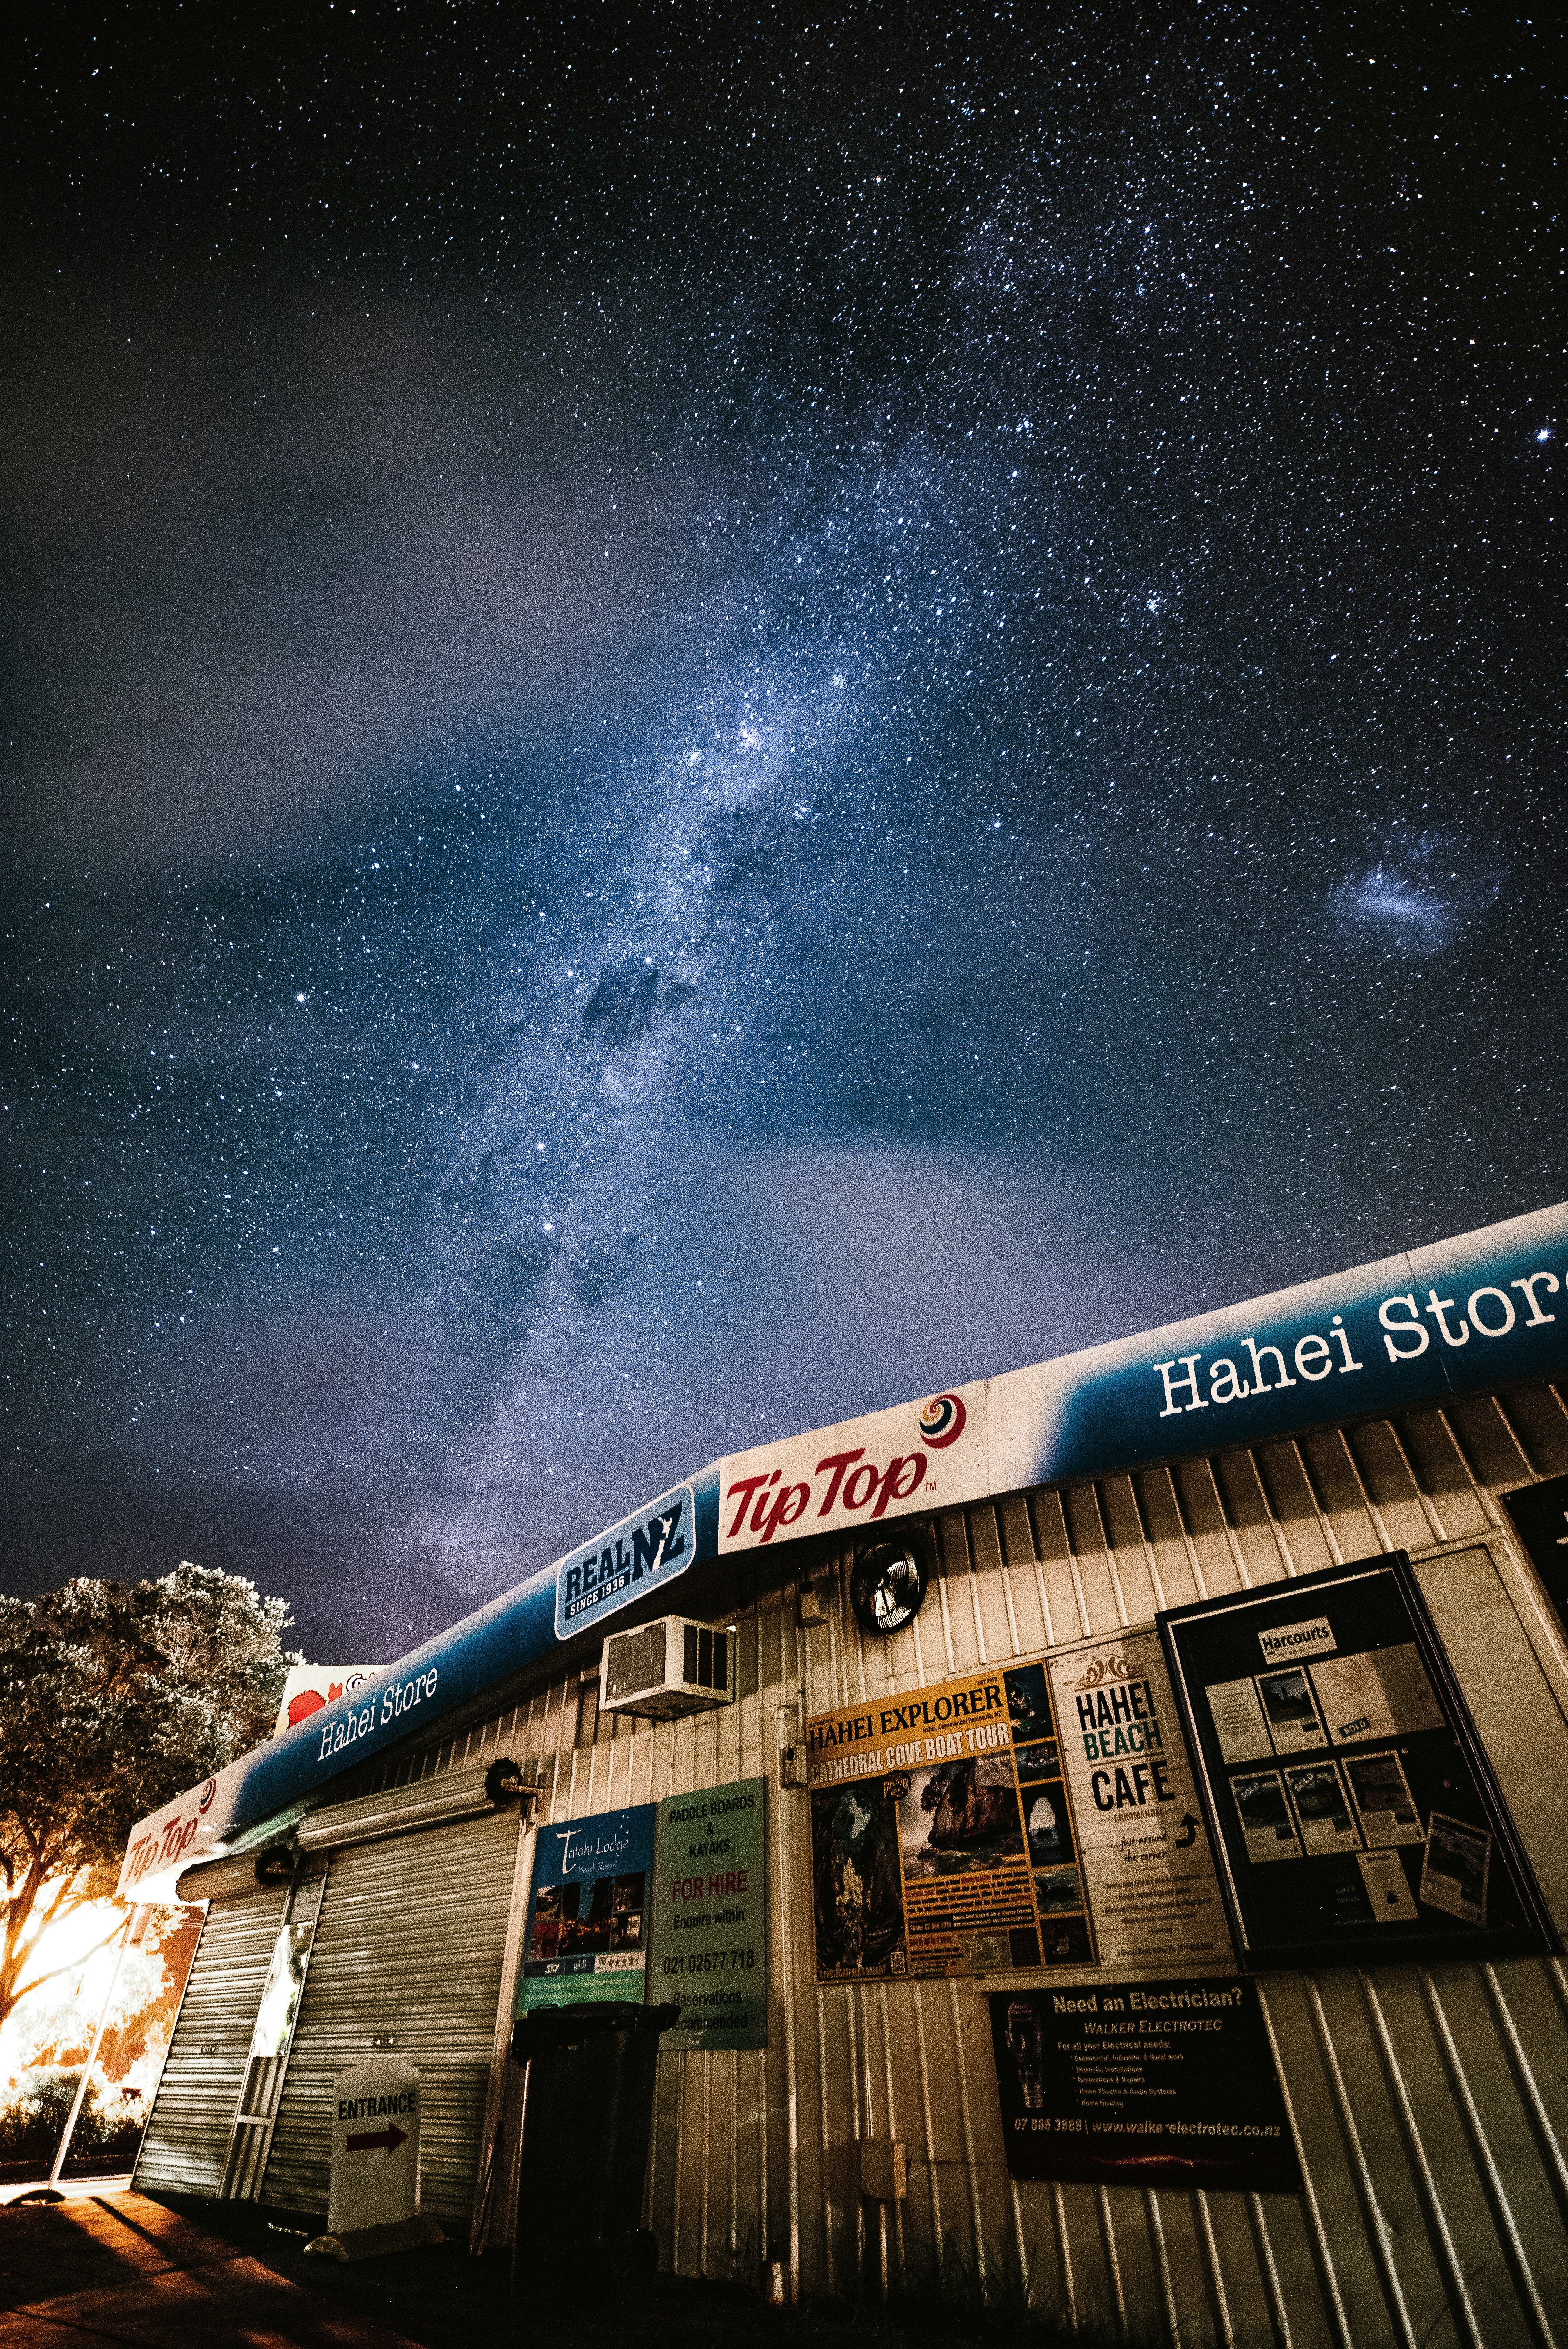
[(1321, 1804), (1152, 1891), (1384, 1802), (1156, 2083), (942, 1836), (1377, 1791), (1265, 1816), (708, 1950), (587, 1912)]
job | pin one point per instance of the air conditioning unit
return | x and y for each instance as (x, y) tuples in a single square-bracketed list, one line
[(666, 1668)]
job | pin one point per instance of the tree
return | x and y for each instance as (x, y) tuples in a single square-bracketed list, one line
[(113, 1699)]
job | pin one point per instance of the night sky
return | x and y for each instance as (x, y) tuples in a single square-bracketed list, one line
[(710, 722)]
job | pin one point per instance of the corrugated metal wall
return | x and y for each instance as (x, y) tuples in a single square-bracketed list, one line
[(1432, 2103), (188, 2129), (408, 1946)]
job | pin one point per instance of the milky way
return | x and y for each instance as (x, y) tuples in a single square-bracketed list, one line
[(709, 725)]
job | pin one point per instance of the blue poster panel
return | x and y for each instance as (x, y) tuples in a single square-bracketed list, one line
[(588, 1912)]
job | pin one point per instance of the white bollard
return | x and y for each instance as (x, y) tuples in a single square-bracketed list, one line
[(375, 2145)]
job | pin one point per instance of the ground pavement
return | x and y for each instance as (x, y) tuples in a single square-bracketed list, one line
[(109, 2266)]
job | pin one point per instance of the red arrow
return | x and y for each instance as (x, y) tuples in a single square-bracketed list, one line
[(391, 2137)]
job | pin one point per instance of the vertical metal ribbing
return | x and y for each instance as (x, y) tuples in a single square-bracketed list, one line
[(1018, 2243), (1326, 1523), (764, 2204), (1155, 2223), (1197, 1570), (1275, 1526), (1486, 2163), (682, 2059), (1084, 1625), (1112, 2257), (1109, 1549), (828, 2203), (1147, 1538), (1372, 2210), (1559, 1980), (1212, 2272), (1241, 1563), (891, 2119), (1064, 2252), (1515, 1438), (1526, 2081), (1439, 1530), (1039, 1569), (837, 1615), (974, 1586), (1007, 1579), (556, 1758), (786, 1986), (859, 2124), (1489, 1506), (1323, 2258), (1263, 2243), (946, 1614), (975, 2214), (938, 2247), (732, 2233), (919, 1653), (1458, 2289), (1368, 1503), (706, 2059)]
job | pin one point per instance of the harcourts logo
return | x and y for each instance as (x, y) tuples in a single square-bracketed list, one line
[(616, 1567), (1288, 1641), (941, 1422)]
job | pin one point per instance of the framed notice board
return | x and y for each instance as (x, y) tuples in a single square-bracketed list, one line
[(1353, 1812)]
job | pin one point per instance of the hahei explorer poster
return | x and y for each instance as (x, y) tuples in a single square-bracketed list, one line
[(942, 1840)]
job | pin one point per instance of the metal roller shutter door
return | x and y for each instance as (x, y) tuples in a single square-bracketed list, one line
[(188, 2129), (408, 1947)]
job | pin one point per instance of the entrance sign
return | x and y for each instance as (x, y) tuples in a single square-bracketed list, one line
[(1152, 1890), (709, 1945), (1355, 1817), (375, 2145), (943, 1839), (587, 1913), (1154, 2084)]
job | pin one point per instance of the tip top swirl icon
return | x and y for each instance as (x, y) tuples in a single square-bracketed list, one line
[(941, 1420)]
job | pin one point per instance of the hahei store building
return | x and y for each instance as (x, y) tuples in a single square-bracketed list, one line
[(1103, 1827)]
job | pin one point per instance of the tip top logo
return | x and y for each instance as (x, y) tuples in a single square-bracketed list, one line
[(941, 1420), (204, 1799)]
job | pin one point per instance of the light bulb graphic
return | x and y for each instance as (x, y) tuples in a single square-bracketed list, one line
[(1025, 2046)]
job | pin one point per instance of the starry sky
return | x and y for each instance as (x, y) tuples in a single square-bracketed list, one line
[(714, 715)]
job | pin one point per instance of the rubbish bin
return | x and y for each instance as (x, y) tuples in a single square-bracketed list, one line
[(587, 2115)]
